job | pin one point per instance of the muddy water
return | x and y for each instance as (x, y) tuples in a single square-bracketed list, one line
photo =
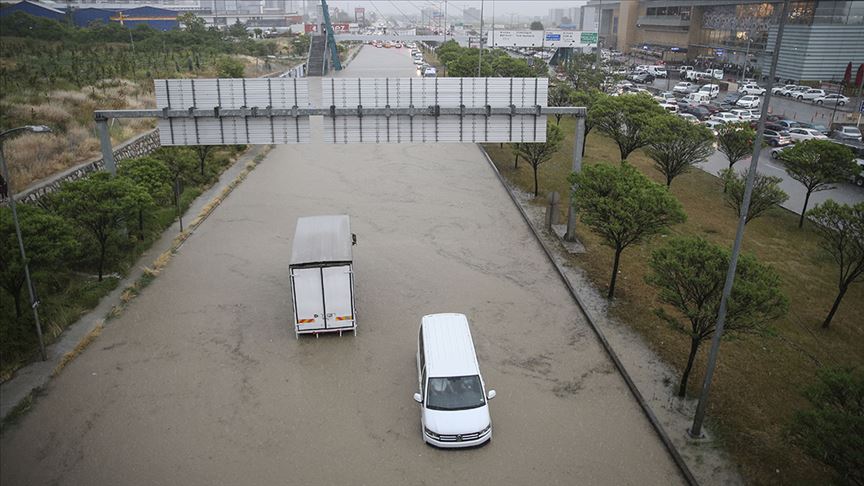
[(201, 381)]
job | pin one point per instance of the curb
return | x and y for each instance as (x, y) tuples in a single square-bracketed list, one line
[(643, 405)]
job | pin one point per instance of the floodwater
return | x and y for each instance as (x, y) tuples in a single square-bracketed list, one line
[(201, 380)]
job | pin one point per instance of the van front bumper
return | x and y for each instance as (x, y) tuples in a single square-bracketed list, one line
[(457, 441)]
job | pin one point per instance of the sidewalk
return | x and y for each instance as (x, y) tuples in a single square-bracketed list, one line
[(38, 373)]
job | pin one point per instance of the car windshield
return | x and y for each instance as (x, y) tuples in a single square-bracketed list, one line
[(454, 393)]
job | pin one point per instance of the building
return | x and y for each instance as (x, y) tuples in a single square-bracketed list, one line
[(471, 16), (738, 33), (125, 14), (556, 16)]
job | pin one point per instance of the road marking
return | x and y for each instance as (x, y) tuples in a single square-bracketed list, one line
[(769, 164)]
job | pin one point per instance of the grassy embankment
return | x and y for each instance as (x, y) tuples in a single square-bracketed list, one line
[(757, 387)]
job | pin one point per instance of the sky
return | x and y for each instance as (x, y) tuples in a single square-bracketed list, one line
[(503, 8)]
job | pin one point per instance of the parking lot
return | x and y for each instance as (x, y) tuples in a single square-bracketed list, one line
[(201, 380)]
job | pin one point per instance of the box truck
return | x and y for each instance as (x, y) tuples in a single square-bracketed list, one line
[(322, 277)]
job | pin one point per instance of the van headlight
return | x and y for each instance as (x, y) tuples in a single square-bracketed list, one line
[(486, 430), (430, 433)]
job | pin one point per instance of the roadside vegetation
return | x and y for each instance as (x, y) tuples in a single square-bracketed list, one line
[(789, 280), (83, 238), (55, 74)]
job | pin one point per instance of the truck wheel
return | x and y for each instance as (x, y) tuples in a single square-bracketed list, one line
[(859, 181)]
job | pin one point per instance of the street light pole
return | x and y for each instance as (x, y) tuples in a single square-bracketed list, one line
[(696, 430), (34, 304), (480, 54)]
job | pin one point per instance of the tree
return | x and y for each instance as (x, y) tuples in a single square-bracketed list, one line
[(49, 242), (622, 206), (586, 99), (152, 176), (735, 141), (537, 153), (584, 72), (192, 23), (832, 429), (203, 151), (238, 30), (536, 25), (766, 193), (560, 96), (100, 204), (514, 147), (180, 162), (689, 273), (817, 165), (625, 119), (841, 228), (228, 67), (676, 145), (258, 32)]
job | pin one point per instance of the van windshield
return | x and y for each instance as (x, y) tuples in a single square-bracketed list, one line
[(454, 393)]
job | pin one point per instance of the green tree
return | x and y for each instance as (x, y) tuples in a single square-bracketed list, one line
[(676, 145), (622, 206), (152, 175), (238, 30), (817, 165), (228, 67), (560, 95), (626, 119), (192, 23), (584, 72), (735, 141), (832, 429), (537, 153), (203, 151), (100, 204), (690, 272), (514, 147), (49, 242), (181, 164), (841, 228), (586, 99), (766, 193), (536, 25)]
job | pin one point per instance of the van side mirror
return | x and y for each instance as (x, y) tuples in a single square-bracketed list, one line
[(490, 395), (418, 398), (353, 239)]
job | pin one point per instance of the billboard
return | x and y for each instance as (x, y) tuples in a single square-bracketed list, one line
[(540, 38), (341, 28)]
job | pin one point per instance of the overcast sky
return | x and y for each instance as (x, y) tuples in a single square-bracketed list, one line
[(503, 8)]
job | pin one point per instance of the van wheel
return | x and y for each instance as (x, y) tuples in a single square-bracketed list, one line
[(841, 103), (859, 181), (818, 102), (800, 98)]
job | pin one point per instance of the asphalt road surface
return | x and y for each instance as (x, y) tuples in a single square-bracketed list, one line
[(201, 380)]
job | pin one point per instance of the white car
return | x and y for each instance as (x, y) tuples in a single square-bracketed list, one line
[(670, 107), (726, 117), (682, 87), (810, 94), (712, 125), (800, 134), (690, 118), (684, 69), (830, 99), (794, 92), (749, 101), (664, 97), (782, 90), (742, 113), (751, 89), (776, 151)]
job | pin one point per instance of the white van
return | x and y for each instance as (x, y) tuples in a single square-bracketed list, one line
[(698, 98), (711, 90), (454, 407), (657, 71)]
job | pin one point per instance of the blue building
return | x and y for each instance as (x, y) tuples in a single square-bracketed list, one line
[(157, 18)]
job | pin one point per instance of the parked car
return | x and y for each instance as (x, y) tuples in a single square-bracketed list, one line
[(794, 92), (689, 117), (742, 113), (670, 107), (454, 403), (665, 96), (732, 98), (787, 124), (641, 77), (657, 71), (712, 125), (726, 117), (846, 132), (751, 89), (748, 101), (776, 151), (821, 128), (684, 69), (830, 99), (697, 111), (798, 134), (810, 95), (711, 107), (712, 90), (776, 138), (682, 87), (717, 73), (782, 90), (698, 98)]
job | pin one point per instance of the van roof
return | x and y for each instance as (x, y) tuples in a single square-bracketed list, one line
[(449, 349), (322, 239)]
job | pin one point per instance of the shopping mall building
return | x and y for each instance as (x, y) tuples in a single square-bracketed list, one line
[(820, 39)]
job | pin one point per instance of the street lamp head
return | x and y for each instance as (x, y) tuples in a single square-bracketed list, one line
[(39, 128)]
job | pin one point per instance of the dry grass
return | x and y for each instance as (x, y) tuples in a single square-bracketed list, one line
[(759, 378), (79, 348)]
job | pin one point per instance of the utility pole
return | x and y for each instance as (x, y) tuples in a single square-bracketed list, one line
[(696, 430), (480, 54), (446, 24), (493, 23)]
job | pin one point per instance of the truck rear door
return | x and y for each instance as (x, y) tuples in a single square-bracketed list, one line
[(308, 298), (338, 297)]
